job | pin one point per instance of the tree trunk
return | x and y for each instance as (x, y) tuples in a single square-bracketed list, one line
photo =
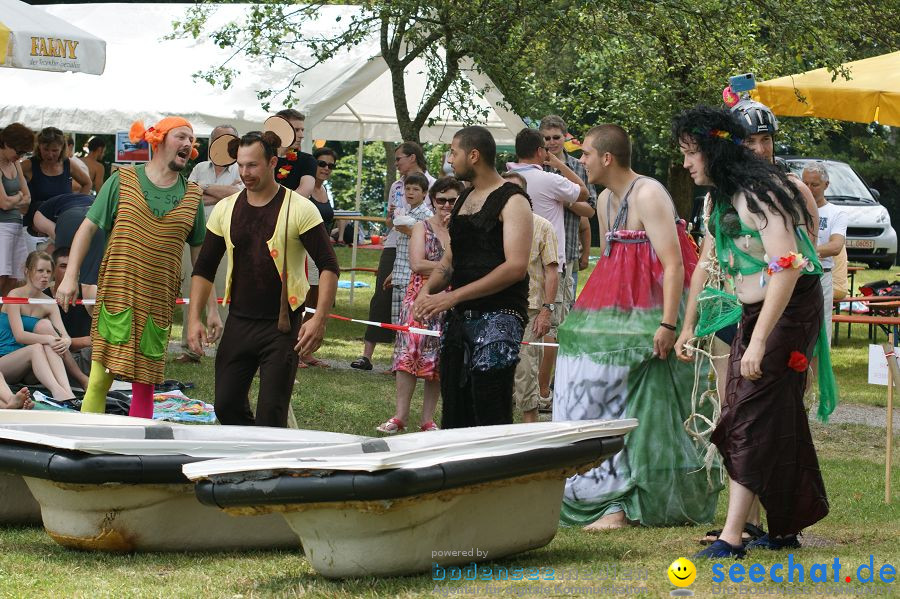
[(681, 186)]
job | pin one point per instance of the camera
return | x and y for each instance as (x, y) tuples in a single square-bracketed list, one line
[(742, 83)]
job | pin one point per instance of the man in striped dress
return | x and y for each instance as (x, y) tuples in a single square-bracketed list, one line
[(148, 212)]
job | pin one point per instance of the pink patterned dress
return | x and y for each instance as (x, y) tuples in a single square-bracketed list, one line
[(415, 353)]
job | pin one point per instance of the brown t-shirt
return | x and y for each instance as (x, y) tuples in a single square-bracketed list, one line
[(255, 282)]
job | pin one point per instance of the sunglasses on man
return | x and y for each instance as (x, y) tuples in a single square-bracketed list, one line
[(552, 137), (324, 164)]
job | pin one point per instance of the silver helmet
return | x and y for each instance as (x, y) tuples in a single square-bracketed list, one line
[(755, 117)]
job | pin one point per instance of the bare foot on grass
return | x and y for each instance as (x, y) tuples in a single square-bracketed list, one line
[(608, 522)]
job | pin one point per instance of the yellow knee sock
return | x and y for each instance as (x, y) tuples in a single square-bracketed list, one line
[(99, 383)]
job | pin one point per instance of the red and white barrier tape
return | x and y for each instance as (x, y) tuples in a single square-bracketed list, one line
[(86, 302), (409, 329), (184, 301)]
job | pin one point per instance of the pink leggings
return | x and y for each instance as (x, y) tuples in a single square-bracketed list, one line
[(141, 400)]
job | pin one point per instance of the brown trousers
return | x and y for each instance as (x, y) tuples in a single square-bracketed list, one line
[(249, 345)]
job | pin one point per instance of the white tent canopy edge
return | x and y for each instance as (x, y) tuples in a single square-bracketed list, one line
[(148, 77)]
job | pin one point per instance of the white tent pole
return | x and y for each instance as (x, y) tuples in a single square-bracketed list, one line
[(359, 162)]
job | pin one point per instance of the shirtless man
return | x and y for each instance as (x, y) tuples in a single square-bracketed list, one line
[(763, 433), (93, 161), (79, 165), (760, 127)]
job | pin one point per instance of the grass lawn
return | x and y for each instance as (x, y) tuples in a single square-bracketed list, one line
[(852, 460)]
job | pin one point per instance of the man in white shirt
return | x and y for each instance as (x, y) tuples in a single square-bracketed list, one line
[(832, 233), (217, 182), (550, 195)]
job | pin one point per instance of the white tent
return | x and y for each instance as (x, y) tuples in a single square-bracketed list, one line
[(31, 38), (346, 98)]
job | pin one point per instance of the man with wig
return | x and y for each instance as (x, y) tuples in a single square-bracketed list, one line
[(148, 212)]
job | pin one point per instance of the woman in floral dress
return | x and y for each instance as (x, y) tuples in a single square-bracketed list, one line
[(415, 354)]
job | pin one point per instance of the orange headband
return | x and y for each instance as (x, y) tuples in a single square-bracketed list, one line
[(154, 135)]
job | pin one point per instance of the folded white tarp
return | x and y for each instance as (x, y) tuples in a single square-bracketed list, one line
[(149, 77), (142, 437), (419, 450)]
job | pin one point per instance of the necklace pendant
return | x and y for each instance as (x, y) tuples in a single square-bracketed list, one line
[(746, 242)]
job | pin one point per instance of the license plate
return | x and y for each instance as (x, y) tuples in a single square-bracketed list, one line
[(861, 244)]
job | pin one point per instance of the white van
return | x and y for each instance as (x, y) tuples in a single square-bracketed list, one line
[(870, 236)]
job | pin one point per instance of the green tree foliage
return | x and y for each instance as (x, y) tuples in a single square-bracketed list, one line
[(343, 181), (634, 62), (639, 62), (441, 32)]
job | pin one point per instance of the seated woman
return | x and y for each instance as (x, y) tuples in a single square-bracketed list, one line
[(20, 400), (32, 336)]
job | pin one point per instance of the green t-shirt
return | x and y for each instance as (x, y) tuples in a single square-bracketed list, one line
[(159, 201)]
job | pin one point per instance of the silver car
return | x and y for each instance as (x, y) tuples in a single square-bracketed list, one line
[(870, 236)]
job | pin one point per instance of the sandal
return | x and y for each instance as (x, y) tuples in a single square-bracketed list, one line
[(315, 362), (361, 363), (429, 426), (391, 427), (774, 543), (751, 533), (720, 549)]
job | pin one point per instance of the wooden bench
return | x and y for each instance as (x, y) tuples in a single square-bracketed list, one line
[(873, 321), (876, 303)]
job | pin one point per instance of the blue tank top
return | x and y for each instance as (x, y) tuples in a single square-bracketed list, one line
[(43, 187), (8, 343)]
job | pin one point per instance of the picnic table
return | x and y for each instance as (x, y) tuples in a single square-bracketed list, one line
[(885, 308)]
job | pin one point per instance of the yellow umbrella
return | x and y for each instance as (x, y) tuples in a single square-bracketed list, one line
[(872, 94)]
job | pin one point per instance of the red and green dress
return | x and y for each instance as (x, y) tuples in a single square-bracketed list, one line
[(606, 370), (140, 275)]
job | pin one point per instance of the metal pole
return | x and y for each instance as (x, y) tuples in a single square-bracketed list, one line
[(893, 375), (359, 162)]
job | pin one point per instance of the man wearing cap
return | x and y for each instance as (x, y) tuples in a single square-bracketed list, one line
[(148, 212)]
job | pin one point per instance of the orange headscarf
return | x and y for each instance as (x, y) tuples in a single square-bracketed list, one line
[(154, 135)]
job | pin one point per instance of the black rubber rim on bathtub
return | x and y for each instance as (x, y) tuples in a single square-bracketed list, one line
[(287, 488), (64, 466)]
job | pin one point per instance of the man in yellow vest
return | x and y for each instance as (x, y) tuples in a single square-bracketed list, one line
[(266, 230)]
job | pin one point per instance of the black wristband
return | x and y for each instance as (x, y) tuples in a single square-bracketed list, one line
[(666, 325)]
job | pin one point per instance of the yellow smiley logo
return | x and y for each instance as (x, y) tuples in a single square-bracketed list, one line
[(682, 572)]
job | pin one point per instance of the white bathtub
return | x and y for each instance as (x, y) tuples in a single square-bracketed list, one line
[(116, 484), (405, 504)]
